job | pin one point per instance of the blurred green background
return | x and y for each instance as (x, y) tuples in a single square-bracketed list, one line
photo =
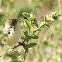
[(50, 39)]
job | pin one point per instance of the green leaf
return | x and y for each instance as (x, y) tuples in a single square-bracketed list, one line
[(27, 23), (25, 32), (26, 15), (31, 45), (31, 18), (35, 21), (13, 54), (45, 18), (47, 25), (34, 36), (27, 51), (22, 37)]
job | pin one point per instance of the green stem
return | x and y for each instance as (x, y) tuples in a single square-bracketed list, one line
[(26, 45), (24, 56), (25, 51)]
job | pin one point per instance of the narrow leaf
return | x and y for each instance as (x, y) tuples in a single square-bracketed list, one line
[(25, 32), (47, 25), (13, 54), (22, 37), (27, 23), (34, 36), (31, 45), (31, 18), (35, 21), (26, 14)]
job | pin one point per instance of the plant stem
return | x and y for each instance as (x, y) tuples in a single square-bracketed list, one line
[(24, 56), (26, 45)]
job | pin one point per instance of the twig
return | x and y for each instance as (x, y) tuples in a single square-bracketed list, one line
[(38, 28), (27, 44), (25, 53), (20, 44)]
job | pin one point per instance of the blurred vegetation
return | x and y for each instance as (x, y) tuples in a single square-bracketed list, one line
[(49, 48)]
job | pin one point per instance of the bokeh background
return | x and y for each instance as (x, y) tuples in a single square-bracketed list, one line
[(49, 48)]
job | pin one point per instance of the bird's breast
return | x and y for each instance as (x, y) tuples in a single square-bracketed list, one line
[(14, 36)]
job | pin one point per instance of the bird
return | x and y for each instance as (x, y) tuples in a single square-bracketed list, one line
[(13, 31)]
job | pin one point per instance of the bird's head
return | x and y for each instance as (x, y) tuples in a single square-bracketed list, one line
[(12, 22)]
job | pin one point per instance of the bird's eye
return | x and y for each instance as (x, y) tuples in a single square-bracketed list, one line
[(8, 32), (11, 27)]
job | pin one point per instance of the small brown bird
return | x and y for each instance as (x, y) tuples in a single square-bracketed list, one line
[(12, 28)]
